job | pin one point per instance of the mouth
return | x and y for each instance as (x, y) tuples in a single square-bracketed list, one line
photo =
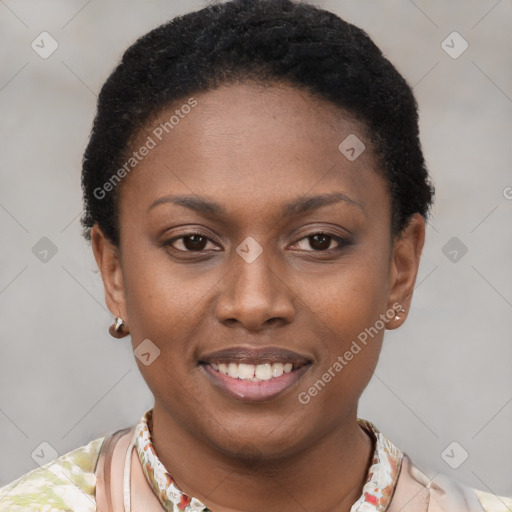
[(254, 375)]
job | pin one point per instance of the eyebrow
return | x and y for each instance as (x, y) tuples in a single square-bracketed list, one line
[(299, 205)]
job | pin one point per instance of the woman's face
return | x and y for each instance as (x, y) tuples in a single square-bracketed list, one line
[(251, 244)]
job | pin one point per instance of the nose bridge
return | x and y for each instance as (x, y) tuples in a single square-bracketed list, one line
[(255, 290)]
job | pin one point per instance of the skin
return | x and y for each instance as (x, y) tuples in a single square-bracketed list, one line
[(252, 148)]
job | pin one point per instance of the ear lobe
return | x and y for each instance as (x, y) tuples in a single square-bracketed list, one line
[(405, 262), (107, 258)]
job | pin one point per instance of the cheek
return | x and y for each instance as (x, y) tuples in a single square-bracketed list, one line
[(164, 304), (350, 298), (164, 301), (346, 309)]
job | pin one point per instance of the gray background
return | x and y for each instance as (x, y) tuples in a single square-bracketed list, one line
[(444, 376)]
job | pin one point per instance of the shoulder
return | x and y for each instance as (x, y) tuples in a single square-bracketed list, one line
[(415, 491), (65, 484), (493, 503)]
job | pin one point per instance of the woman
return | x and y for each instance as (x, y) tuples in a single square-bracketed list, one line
[(255, 196)]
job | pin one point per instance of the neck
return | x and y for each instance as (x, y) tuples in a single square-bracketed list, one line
[(327, 475)]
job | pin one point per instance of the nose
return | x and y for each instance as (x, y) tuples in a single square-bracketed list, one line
[(255, 295)]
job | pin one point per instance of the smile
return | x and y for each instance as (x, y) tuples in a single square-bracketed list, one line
[(254, 375)]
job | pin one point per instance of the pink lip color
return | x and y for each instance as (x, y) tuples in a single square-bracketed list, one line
[(250, 391)]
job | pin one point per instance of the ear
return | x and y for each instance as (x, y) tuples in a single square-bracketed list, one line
[(108, 260), (406, 254)]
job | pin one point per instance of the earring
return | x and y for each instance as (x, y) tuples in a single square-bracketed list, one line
[(118, 329), (397, 316)]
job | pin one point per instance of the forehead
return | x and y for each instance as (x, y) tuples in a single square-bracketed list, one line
[(255, 146)]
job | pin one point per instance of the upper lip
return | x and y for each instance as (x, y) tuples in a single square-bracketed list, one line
[(252, 355)]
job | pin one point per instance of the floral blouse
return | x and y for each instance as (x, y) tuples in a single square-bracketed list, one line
[(68, 483), (376, 496)]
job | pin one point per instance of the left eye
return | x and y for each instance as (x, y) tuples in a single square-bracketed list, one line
[(321, 242), (191, 242)]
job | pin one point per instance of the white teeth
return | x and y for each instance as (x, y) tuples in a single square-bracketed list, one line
[(253, 372), (277, 369), (233, 370), (264, 371), (246, 371)]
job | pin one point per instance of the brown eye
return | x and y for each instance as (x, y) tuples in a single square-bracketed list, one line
[(320, 242), (193, 242)]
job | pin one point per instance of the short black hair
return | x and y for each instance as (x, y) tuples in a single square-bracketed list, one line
[(267, 41)]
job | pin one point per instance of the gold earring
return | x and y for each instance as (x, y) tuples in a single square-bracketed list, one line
[(118, 329)]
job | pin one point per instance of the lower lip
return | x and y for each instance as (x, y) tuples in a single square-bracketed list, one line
[(255, 391)]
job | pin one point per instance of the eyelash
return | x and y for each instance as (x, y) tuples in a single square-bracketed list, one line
[(342, 242)]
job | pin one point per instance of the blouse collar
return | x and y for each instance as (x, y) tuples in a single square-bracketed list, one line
[(376, 496)]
